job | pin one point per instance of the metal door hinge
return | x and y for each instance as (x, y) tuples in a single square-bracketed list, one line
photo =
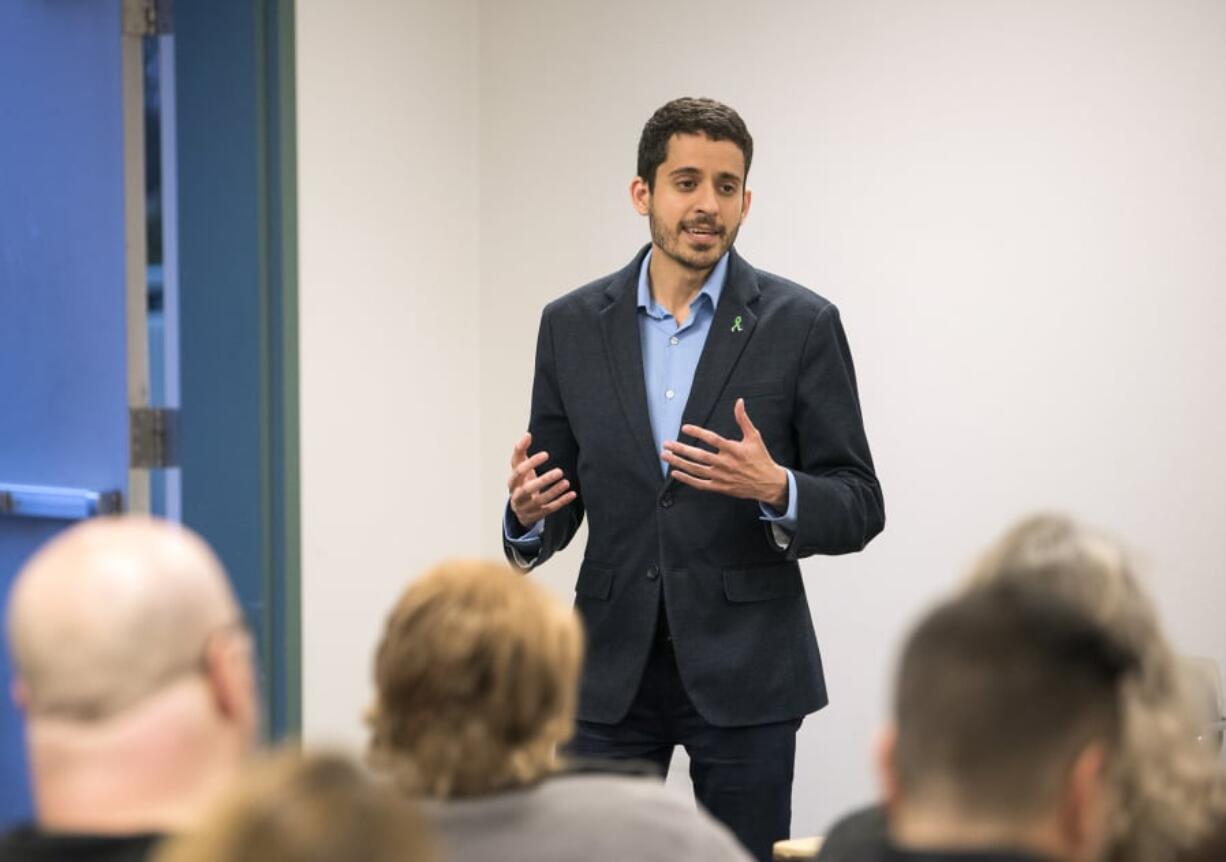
[(148, 17), (154, 438)]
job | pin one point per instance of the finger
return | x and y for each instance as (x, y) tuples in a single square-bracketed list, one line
[(708, 437), (535, 486), (526, 469), (565, 500), (524, 484), (521, 449), (695, 469), (693, 481), (742, 418), (692, 453), (554, 491)]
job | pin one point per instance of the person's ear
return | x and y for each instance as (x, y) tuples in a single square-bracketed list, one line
[(884, 754), (231, 678), (640, 195), (1084, 816), (745, 204)]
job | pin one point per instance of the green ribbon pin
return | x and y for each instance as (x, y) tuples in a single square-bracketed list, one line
[(736, 324)]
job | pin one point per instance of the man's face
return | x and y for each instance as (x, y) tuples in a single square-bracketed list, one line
[(698, 202)]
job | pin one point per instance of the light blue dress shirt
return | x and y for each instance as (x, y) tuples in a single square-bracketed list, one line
[(670, 358)]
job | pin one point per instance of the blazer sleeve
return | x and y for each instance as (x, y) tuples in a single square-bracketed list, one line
[(839, 502), (551, 432)]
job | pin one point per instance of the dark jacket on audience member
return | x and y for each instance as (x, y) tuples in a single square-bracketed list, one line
[(860, 835), (29, 844), (893, 854), (863, 836)]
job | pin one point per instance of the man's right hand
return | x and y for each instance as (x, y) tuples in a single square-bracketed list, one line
[(532, 496)]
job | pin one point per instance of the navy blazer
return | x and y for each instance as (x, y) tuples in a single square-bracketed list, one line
[(735, 602)]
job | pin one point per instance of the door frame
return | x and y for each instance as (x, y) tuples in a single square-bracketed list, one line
[(238, 296)]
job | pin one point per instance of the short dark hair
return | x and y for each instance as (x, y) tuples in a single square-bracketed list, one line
[(690, 116), (998, 692)]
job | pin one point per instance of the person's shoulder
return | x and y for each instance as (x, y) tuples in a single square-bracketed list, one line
[(583, 787), (586, 299), (30, 844), (642, 810), (862, 834), (588, 815), (13, 840), (784, 293), (797, 298), (594, 295)]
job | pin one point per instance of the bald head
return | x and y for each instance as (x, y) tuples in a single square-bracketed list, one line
[(111, 611)]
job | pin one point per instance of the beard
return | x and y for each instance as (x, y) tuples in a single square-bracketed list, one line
[(672, 242)]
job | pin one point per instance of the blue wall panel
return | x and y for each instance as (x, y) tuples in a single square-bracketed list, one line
[(63, 389)]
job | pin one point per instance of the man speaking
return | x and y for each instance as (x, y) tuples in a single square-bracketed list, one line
[(703, 414)]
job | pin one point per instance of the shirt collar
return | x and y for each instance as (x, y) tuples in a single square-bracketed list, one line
[(712, 288)]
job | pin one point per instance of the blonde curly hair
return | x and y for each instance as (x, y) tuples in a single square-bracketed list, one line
[(476, 679), (1173, 792), (312, 807)]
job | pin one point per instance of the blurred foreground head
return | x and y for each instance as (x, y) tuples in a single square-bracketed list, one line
[(1008, 726), (476, 678), (1172, 788), (306, 808), (134, 673)]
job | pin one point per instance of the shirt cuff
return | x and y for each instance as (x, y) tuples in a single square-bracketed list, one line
[(783, 524), (527, 544)]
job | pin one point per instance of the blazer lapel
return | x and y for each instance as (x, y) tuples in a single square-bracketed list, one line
[(731, 329), (619, 326)]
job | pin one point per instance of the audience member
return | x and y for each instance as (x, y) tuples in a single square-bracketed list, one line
[(1007, 726), (306, 808), (1171, 790), (857, 836), (476, 680), (135, 677)]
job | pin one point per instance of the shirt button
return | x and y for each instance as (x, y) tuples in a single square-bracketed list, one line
[(674, 340), (669, 394)]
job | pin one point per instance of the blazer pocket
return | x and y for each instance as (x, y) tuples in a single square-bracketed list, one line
[(595, 581), (760, 583), (752, 389)]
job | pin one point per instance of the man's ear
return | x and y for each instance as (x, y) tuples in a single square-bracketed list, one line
[(745, 204), (1084, 816), (231, 677), (885, 750), (640, 195)]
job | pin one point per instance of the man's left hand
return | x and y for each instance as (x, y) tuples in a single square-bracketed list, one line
[(739, 468)]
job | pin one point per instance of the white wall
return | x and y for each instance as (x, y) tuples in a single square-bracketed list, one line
[(1018, 206), (387, 144)]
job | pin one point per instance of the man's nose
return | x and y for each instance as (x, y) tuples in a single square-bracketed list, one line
[(707, 200)]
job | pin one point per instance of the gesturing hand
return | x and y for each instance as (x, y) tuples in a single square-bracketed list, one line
[(740, 468), (532, 496)]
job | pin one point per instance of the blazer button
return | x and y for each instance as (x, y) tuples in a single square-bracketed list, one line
[(666, 501), (653, 573)]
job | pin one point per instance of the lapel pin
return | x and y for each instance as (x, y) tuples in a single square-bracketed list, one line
[(736, 324)]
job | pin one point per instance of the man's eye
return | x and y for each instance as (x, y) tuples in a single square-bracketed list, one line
[(728, 188)]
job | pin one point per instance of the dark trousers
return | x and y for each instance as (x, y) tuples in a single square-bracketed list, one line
[(742, 775)]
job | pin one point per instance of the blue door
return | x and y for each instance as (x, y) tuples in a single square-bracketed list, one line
[(64, 369)]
